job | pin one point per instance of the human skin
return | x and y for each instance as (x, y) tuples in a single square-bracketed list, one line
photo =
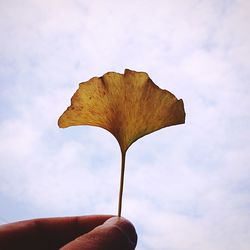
[(94, 232)]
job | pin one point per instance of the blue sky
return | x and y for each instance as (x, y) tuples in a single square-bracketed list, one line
[(186, 187)]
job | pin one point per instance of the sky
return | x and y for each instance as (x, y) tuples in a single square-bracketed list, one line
[(186, 186)]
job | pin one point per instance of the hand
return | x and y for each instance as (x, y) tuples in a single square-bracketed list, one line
[(96, 232)]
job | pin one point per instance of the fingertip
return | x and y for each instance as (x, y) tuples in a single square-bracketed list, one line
[(125, 226), (116, 233)]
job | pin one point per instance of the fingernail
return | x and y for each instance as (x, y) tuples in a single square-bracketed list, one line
[(126, 227)]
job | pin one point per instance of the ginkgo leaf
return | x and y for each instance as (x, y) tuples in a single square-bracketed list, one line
[(128, 105)]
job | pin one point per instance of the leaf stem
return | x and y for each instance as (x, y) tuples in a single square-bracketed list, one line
[(123, 155)]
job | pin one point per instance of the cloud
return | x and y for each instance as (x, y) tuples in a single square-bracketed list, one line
[(186, 187)]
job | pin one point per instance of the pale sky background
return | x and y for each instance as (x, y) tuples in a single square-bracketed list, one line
[(186, 187)]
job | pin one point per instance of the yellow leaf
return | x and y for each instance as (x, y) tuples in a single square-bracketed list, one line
[(128, 105)]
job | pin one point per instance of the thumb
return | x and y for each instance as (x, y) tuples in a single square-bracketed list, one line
[(115, 233)]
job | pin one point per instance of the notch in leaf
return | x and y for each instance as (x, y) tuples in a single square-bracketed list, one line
[(128, 105)]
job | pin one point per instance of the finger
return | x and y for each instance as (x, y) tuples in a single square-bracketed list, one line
[(115, 234), (48, 233)]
